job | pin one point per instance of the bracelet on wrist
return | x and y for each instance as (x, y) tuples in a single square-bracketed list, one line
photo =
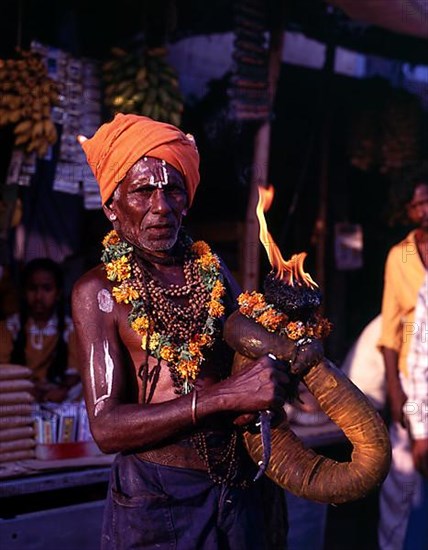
[(194, 404), (303, 341)]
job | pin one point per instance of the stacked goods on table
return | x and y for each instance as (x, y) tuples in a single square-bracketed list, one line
[(62, 431), (249, 90), (143, 83), (17, 439)]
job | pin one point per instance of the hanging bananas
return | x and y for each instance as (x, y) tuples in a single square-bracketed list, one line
[(385, 134), (27, 95), (143, 84), (400, 123)]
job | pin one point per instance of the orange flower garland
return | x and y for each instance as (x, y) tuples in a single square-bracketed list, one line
[(254, 306), (185, 357)]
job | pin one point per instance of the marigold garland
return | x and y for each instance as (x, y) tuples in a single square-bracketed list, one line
[(254, 306), (184, 358)]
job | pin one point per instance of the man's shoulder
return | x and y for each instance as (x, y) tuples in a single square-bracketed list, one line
[(408, 239), (406, 246), (232, 287), (93, 280)]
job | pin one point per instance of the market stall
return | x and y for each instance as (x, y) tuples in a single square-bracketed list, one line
[(265, 120)]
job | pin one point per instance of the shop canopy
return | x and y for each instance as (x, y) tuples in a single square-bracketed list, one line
[(402, 16), (396, 29)]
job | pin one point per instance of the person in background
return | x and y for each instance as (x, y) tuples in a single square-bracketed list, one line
[(9, 295), (416, 411), (364, 364), (41, 335), (405, 273)]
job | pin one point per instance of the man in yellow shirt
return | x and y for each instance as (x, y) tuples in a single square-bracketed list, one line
[(405, 271)]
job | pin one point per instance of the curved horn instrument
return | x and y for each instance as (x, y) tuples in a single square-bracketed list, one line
[(295, 468)]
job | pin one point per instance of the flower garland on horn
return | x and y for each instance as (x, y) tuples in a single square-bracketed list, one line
[(254, 306)]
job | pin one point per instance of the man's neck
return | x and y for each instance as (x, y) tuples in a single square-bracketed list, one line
[(41, 320), (167, 269), (421, 238), (421, 235), (162, 258), (159, 259)]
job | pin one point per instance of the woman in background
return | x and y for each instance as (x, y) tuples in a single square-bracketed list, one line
[(41, 335)]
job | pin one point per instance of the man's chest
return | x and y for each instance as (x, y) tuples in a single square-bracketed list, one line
[(156, 377)]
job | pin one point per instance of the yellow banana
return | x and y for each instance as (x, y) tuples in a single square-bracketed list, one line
[(14, 116), (37, 129), (42, 149), (23, 127), (21, 138), (50, 131)]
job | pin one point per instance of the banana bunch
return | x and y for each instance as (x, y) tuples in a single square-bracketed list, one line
[(143, 84), (364, 140), (385, 136), (27, 95), (400, 131)]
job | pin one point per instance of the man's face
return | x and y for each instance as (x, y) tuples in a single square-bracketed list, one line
[(149, 204), (417, 208)]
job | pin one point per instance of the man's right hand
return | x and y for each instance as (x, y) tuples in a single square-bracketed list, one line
[(420, 455), (395, 394), (260, 386), (397, 398)]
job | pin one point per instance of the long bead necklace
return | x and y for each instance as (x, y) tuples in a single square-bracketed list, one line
[(179, 320), (174, 332), (224, 467)]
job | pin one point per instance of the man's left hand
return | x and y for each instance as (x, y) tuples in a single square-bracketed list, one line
[(308, 354)]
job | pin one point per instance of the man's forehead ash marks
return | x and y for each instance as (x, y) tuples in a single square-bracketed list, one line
[(159, 175), (155, 172), (105, 301)]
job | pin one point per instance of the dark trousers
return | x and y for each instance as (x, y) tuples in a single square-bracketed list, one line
[(152, 506)]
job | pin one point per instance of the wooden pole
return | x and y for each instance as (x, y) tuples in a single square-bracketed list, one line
[(260, 171), (321, 222)]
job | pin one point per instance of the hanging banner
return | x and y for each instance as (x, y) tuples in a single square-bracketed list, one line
[(348, 246)]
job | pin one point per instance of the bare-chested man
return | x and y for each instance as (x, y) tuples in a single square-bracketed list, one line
[(156, 371)]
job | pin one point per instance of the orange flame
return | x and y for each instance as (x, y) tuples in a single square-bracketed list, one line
[(290, 271)]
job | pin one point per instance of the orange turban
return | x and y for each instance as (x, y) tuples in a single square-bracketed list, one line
[(117, 145)]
